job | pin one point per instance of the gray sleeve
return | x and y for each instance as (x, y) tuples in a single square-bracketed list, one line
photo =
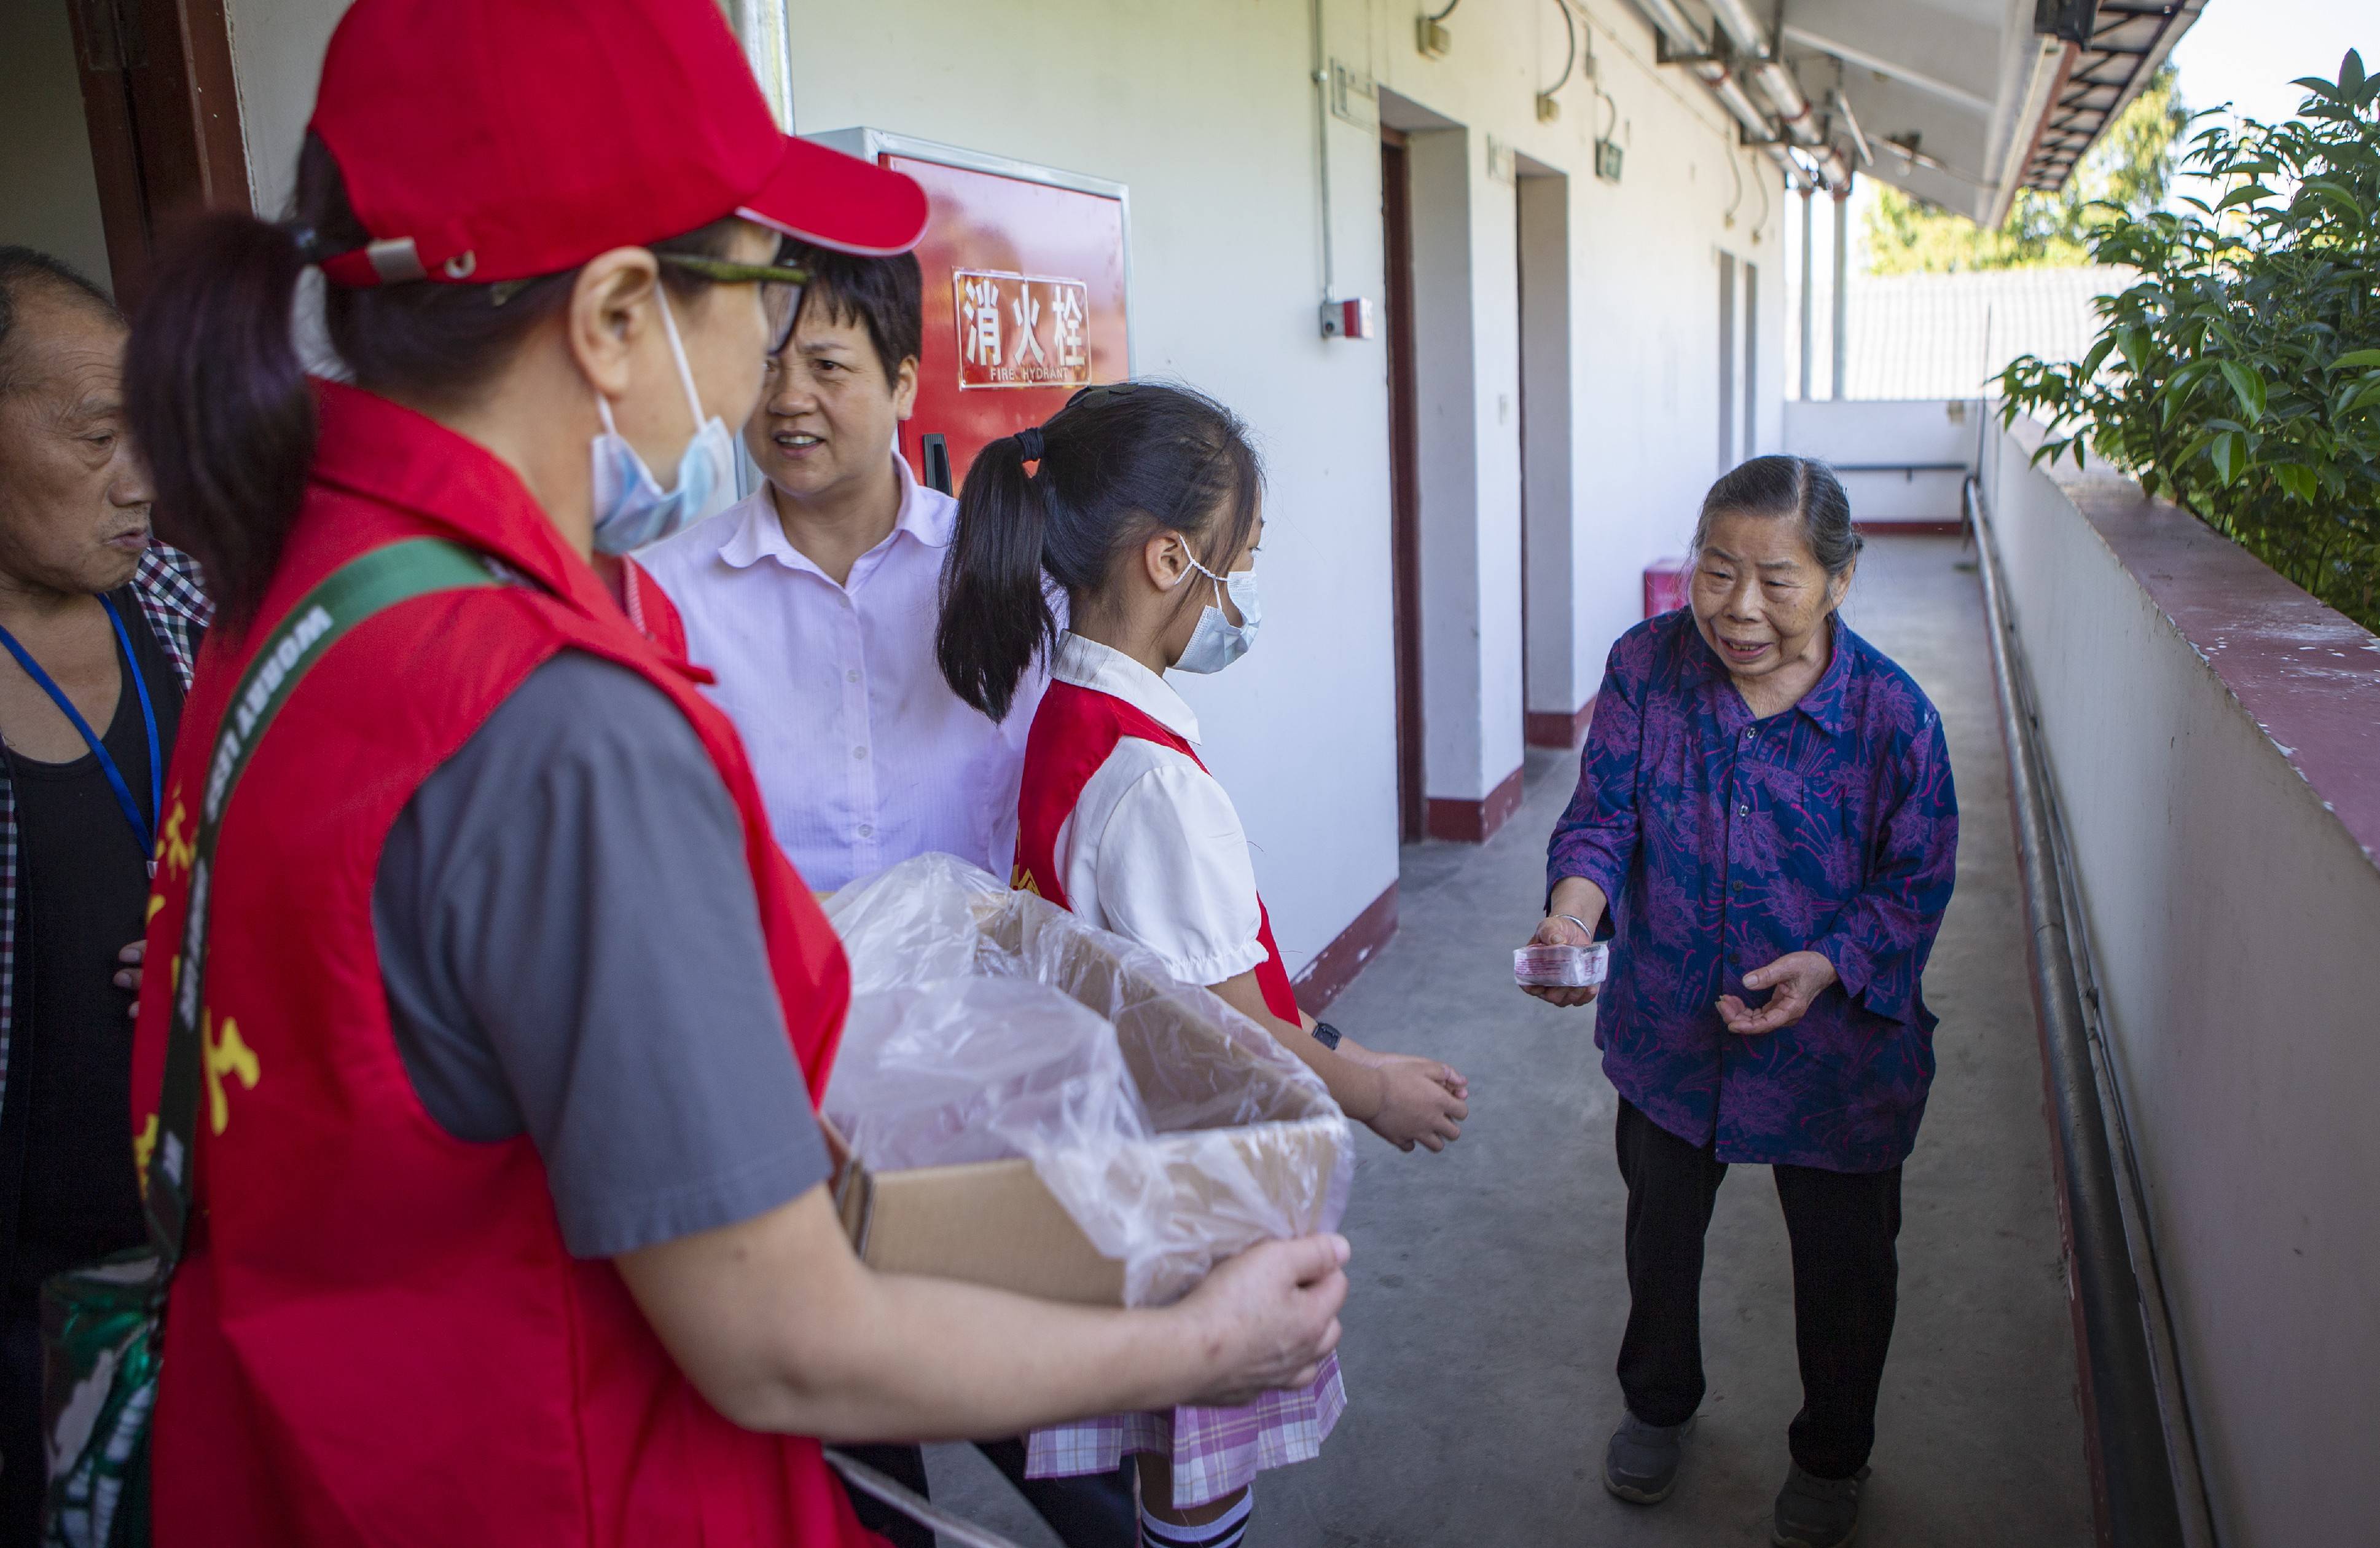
[(572, 947)]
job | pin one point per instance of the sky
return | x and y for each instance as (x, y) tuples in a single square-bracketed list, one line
[(2247, 51)]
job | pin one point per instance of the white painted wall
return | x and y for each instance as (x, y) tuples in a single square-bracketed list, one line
[(1851, 431), (2234, 922), (1205, 109), (49, 199)]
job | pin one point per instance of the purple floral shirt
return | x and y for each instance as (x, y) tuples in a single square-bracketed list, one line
[(1725, 841)]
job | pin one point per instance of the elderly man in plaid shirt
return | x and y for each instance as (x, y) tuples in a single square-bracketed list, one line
[(101, 624)]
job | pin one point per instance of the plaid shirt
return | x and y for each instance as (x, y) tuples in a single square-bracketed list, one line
[(176, 607)]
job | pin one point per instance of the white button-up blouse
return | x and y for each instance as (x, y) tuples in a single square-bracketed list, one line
[(864, 755)]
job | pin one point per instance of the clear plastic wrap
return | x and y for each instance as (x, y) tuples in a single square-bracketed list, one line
[(1562, 967), (987, 1023)]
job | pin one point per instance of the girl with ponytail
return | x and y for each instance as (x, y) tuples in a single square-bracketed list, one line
[(1141, 505)]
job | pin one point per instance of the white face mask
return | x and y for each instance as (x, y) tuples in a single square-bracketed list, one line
[(631, 509), (1217, 641)]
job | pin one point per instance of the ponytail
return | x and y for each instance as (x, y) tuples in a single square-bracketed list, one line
[(996, 618), (218, 401)]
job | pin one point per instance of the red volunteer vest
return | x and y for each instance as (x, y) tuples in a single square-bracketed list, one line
[(1072, 733), (376, 1335)]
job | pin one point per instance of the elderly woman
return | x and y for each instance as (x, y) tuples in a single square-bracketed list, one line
[(1765, 814)]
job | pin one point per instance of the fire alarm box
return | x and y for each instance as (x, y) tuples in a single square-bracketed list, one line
[(1028, 272)]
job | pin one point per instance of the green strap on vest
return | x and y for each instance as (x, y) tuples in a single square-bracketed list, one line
[(103, 1327), (351, 593)]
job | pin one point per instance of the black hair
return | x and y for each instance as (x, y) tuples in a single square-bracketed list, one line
[(883, 295), (23, 270), (217, 395), (1794, 486), (1117, 464)]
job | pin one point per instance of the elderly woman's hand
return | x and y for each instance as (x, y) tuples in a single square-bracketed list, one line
[(1558, 930), (1798, 978)]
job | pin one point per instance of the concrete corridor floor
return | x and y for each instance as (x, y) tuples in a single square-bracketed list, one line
[(1489, 1293)]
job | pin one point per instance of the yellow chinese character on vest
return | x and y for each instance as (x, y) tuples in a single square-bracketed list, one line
[(225, 1055)]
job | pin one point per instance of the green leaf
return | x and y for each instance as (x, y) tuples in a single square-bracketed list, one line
[(2357, 359), (2336, 195), (2248, 388), (2367, 397), (2246, 193), (2092, 361), (2298, 479), (2229, 455)]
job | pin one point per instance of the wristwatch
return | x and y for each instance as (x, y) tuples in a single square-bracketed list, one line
[(1326, 1034)]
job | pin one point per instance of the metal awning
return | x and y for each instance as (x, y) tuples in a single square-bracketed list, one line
[(2127, 41), (1961, 103)]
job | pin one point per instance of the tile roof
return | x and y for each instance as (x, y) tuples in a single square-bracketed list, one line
[(1940, 336)]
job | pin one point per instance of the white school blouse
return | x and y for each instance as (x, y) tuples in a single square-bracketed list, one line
[(1154, 849)]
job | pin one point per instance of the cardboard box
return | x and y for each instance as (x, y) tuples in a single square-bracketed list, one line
[(995, 1223)]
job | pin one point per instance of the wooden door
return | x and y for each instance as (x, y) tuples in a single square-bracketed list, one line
[(1404, 492)]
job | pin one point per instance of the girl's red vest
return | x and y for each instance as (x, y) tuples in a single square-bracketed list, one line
[(1072, 733), (376, 1335)]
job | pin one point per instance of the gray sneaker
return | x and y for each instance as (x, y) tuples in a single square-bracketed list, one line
[(1817, 1512), (1640, 1463)]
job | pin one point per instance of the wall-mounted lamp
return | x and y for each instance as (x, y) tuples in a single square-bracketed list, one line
[(1607, 155), (1548, 108), (1434, 40)]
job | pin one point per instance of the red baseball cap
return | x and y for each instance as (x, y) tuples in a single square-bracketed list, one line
[(496, 140)]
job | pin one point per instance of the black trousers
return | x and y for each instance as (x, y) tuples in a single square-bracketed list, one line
[(1089, 1511), (1845, 1278)]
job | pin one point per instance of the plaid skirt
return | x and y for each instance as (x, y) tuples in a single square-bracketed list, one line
[(1215, 1451)]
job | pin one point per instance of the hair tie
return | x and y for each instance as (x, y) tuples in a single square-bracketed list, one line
[(309, 243), (1029, 443)]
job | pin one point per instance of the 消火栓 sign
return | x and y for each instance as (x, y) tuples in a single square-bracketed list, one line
[(1020, 330)]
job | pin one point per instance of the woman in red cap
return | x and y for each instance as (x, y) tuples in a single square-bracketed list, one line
[(489, 1060)]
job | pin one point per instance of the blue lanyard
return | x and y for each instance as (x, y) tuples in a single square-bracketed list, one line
[(144, 833)]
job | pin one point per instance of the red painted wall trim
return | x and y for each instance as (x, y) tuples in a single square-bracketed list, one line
[(1461, 821), (1336, 964), (1554, 729)]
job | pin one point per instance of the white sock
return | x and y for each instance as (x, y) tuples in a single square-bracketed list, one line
[(1227, 1530)]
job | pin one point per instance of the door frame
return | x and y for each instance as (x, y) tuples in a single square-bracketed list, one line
[(162, 106), (1404, 483)]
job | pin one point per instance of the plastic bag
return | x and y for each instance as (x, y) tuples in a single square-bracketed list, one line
[(985, 1022), (946, 1079)]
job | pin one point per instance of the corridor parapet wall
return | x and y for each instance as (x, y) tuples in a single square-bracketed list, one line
[(2213, 736)]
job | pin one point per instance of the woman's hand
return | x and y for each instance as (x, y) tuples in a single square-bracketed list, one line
[(1558, 931), (1273, 1313), (1798, 978)]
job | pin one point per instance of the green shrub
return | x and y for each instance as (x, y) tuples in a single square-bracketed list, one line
[(2241, 375)]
